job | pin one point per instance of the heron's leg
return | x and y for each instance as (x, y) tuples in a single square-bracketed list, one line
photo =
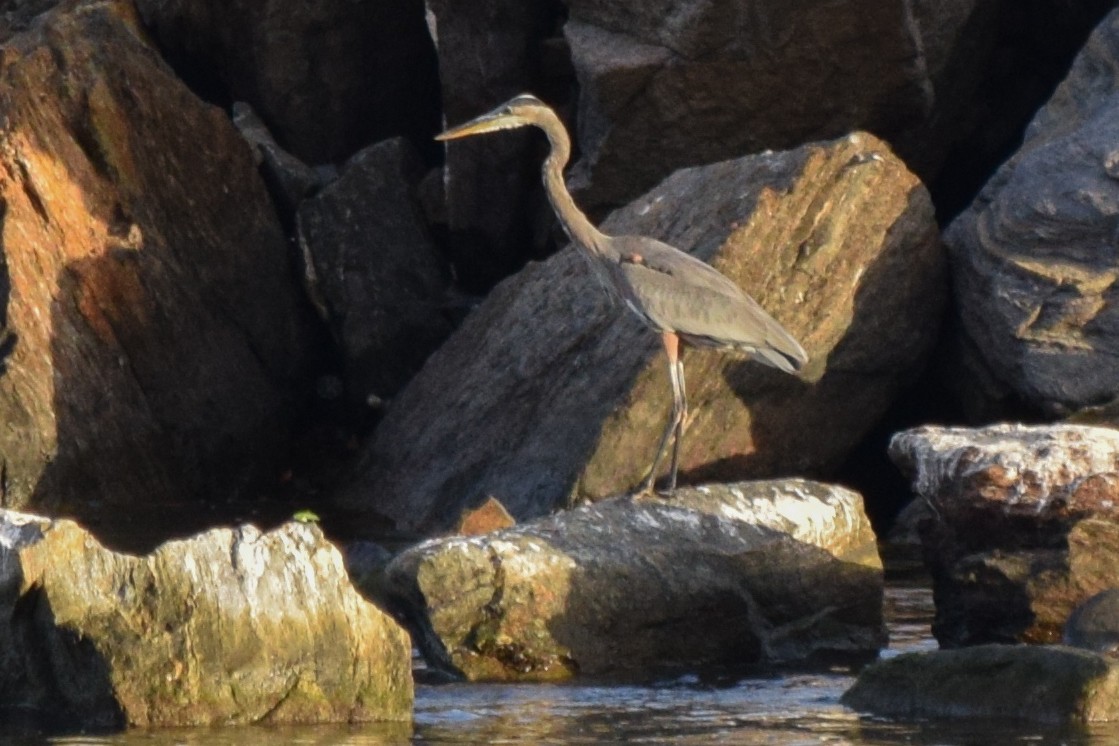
[(671, 348), (680, 410)]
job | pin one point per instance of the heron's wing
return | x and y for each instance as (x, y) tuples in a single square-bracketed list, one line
[(676, 292)]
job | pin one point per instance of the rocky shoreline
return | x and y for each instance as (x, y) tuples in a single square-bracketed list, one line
[(241, 282)]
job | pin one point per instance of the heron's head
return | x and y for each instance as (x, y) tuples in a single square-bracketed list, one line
[(520, 111)]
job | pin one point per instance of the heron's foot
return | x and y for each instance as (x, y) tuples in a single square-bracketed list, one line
[(647, 491)]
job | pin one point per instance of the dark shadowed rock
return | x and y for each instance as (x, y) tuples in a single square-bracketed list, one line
[(1041, 684), (153, 325), (1034, 256), (374, 269), (1022, 527), (668, 84), (721, 574), (231, 626), (489, 51), (548, 394), (1094, 624), (289, 179), (327, 77)]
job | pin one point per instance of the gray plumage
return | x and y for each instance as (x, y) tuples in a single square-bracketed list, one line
[(674, 293)]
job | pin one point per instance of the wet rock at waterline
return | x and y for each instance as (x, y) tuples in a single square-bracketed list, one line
[(549, 393), (721, 574), (153, 326), (1023, 525), (231, 626), (1094, 625), (1048, 684), (373, 269), (1034, 259)]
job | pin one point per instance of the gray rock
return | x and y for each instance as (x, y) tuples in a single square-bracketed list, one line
[(230, 626), (1022, 525), (288, 178), (668, 84), (548, 394), (719, 574), (1034, 257), (1094, 624), (374, 269), (1048, 684)]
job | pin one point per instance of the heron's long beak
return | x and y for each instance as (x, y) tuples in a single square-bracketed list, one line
[(491, 122)]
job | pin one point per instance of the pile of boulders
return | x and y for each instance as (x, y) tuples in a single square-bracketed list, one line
[(239, 278)]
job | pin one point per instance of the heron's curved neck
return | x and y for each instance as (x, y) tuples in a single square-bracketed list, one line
[(578, 227)]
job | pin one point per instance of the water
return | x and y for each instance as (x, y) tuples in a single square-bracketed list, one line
[(779, 709)]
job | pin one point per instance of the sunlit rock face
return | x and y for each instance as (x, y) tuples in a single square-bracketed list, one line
[(550, 393), (230, 626), (716, 575), (153, 328)]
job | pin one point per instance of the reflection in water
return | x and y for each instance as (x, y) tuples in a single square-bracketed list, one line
[(785, 709)]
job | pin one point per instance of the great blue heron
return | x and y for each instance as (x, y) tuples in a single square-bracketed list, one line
[(683, 298)]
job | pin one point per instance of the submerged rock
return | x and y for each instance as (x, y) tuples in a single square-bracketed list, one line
[(1094, 625), (1048, 684), (722, 574), (1022, 525), (549, 394), (231, 626)]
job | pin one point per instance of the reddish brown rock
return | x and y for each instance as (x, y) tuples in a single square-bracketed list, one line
[(1023, 526), (548, 394), (153, 322), (489, 516)]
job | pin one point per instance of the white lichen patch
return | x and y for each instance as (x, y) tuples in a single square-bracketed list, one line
[(1031, 460)]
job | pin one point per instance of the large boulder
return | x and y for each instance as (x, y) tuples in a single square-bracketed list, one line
[(230, 626), (721, 574), (1048, 684), (668, 84), (327, 77), (374, 269), (1034, 261), (1023, 525), (154, 328), (548, 394)]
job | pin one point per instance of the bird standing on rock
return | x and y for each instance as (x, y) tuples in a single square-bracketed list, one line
[(673, 293)]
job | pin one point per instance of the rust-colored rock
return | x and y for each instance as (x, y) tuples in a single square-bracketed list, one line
[(727, 574), (548, 394), (487, 517), (153, 325), (1022, 527)]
